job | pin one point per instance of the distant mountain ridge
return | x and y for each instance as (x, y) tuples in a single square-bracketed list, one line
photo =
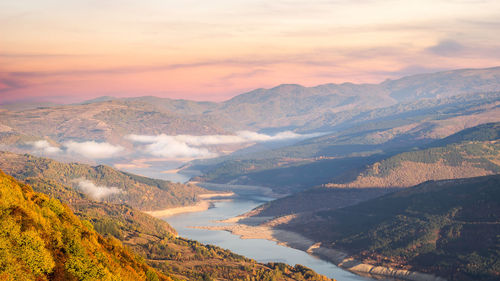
[(285, 107)]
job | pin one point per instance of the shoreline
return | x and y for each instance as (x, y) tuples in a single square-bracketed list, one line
[(204, 204), (299, 242), (198, 207)]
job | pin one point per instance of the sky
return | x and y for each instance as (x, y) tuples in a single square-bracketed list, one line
[(69, 51)]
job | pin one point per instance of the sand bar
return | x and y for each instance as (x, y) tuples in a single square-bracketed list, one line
[(202, 205), (198, 207)]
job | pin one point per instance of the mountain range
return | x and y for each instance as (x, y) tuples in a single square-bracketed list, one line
[(285, 107)]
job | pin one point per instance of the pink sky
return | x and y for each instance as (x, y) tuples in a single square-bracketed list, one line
[(68, 51)]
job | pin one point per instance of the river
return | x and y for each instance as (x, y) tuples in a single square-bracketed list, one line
[(257, 249)]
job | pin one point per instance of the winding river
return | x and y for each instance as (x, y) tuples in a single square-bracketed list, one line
[(257, 249)]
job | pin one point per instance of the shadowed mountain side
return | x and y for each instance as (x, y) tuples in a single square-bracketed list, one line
[(468, 153), (293, 177), (449, 228), (484, 132), (385, 165), (137, 191), (316, 199)]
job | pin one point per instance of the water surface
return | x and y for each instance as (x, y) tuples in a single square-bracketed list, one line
[(258, 249)]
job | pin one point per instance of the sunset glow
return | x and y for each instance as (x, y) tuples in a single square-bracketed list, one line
[(67, 51)]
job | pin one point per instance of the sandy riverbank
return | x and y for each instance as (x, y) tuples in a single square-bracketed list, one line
[(213, 195), (202, 205), (243, 190), (297, 241), (198, 207)]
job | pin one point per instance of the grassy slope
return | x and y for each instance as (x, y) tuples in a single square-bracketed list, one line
[(450, 227), (139, 192), (41, 239)]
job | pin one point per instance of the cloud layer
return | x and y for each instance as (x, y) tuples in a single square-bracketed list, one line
[(188, 146), (92, 149), (96, 192), (178, 146)]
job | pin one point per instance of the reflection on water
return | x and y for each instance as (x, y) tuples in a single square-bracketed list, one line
[(159, 170), (258, 249)]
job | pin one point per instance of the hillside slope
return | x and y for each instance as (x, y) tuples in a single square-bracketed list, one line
[(41, 239), (139, 192), (103, 121), (450, 228), (466, 159), (468, 153)]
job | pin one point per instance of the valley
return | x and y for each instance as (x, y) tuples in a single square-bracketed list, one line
[(235, 140)]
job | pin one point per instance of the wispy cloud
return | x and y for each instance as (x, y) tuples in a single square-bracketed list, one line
[(9, 84), (446, 48), (189, 146), (96, 192), (92, 149), (245, 74)]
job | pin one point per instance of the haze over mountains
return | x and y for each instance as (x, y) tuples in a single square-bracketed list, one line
[(413, 100)]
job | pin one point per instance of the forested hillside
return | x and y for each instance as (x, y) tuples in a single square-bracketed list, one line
[(139, 192), (41, 239), (462, 160), (447, 227), (467, 153)]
